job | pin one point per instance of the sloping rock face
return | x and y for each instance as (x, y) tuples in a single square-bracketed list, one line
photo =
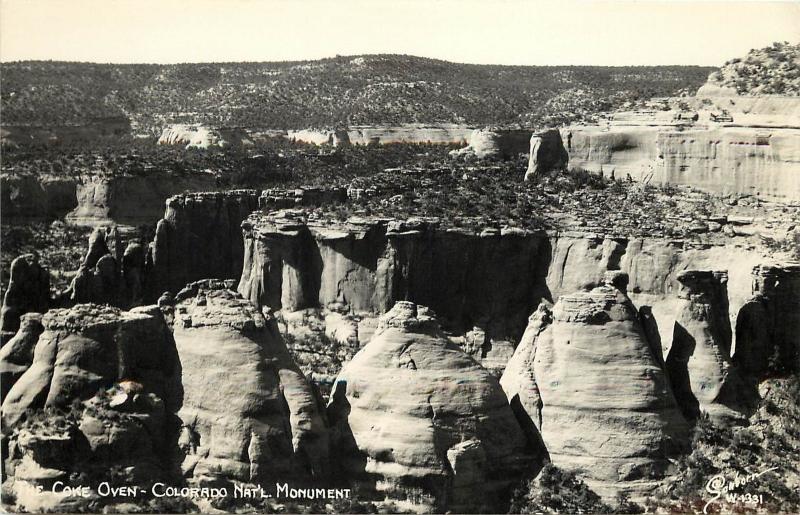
[(416, 418), (768, 325), (94, 402), (547, 153), (589, 379), (17, 355), (699, 364), (247, 412), (28, 290), (200, 236)]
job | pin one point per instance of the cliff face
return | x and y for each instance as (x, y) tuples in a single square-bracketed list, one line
[(482, 285), (756, 153), (587, 377), (32, 197), (95, 199), (417, 419), (200, 236)]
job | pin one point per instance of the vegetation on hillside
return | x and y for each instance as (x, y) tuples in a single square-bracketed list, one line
[(774, 70), (341, 91)]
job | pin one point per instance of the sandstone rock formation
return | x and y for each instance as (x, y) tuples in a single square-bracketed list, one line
[(547, 153), (28, 196), (247, 412), (28, 290), (94, 402), (191, 136), (200, 236), (483, 284), (587, 377), (17, 355), (699, 364), (87, 348), (480, 283), (768, 324), (107, 199), (94, 199), (417, 418), (756, 156), (503, 143)]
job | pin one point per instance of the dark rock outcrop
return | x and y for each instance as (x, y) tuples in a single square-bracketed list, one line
[(28, 291), (416, 418), (768, 325), (200, 236)]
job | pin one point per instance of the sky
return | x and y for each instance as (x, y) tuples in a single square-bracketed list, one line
[(516, 32)]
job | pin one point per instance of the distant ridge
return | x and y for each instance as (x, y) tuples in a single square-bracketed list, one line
[(339, 91)]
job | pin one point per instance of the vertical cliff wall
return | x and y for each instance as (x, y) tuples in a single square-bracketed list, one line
[(482, 284), (199, 237), (749, 160)]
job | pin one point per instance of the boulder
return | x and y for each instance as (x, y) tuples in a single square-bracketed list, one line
[(415, 418), (587, 377), (698, 363), (28, 291), (248, 413), (547, 153)]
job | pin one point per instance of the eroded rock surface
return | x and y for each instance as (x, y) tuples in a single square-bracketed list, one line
[(699, 364), (28, 290), (547, 153), (768, 325), (587, 377), (17, 354), (415, 416), (95, 401), (247, 411)]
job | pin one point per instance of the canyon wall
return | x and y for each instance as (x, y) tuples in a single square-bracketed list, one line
[(756, 151), (481, 284), (95, 199)]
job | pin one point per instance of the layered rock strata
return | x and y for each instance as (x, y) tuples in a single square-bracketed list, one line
[(587, 377), (415, 418), (247, 411)]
